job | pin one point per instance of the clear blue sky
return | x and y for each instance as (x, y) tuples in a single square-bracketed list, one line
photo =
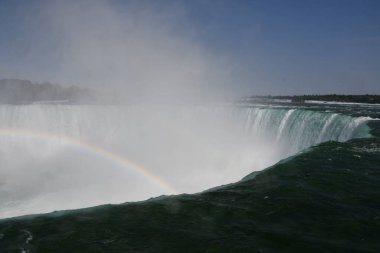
[(277, 46)]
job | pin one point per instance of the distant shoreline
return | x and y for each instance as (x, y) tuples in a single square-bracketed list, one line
[(368, 99)]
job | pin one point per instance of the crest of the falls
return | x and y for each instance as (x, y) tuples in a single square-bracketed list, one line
[(69, 156)]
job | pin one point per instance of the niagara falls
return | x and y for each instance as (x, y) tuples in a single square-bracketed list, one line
[(147, 150), (189, 126)]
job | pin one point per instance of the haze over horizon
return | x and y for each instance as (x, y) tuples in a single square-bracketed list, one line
[(196, 48)]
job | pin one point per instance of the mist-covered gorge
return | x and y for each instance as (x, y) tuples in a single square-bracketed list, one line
[(70, 156)]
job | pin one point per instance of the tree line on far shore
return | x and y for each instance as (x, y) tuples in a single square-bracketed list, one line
[(19, 92), (370, 99)]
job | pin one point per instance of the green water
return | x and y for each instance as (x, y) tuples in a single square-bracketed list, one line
[(325, 199)]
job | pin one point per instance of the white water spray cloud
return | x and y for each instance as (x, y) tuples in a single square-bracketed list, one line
[(135, 48)]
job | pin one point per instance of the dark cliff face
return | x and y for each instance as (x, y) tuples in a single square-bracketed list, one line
[(15, 91)]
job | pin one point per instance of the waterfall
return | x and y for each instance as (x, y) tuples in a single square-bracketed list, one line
[(71, 156), (298, 129)]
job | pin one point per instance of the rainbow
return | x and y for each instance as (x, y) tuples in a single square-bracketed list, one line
[(95, 150)]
